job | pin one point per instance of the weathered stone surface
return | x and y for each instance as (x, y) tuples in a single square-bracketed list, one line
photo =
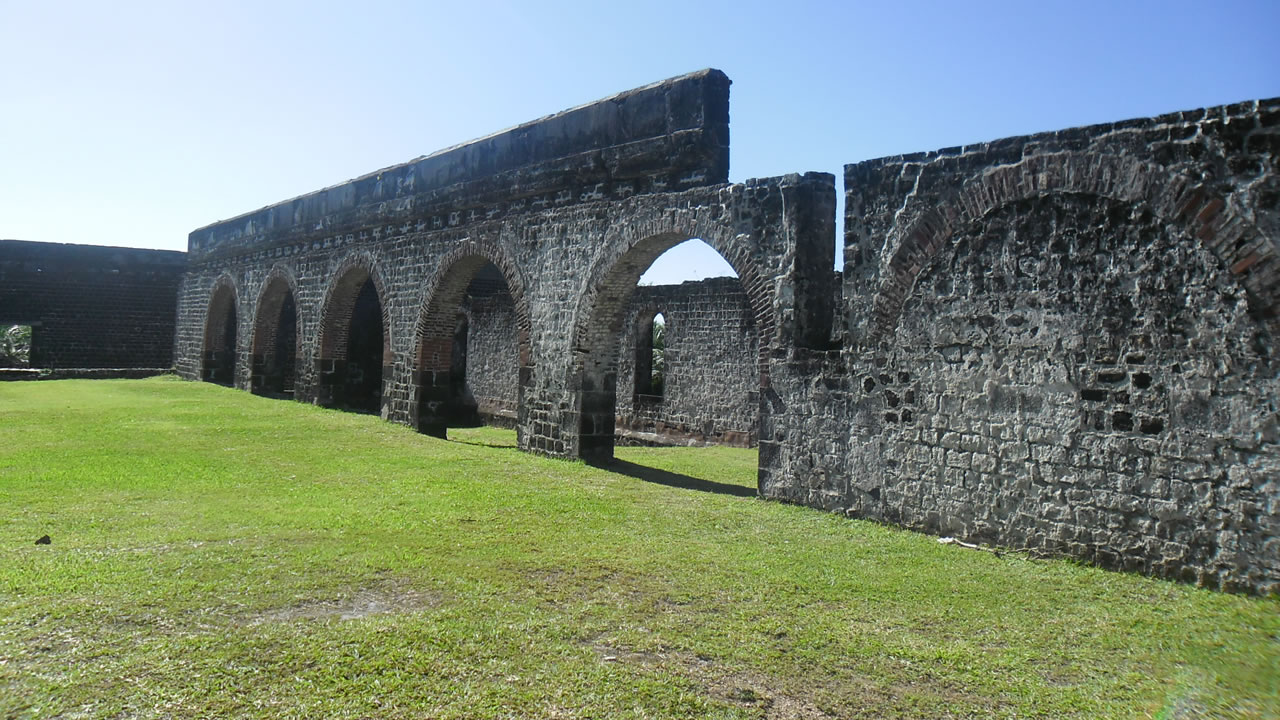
[(1062, 342), (492, 374), (91, 306)]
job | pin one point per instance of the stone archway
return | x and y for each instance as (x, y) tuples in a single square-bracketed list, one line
[(353, 358), (276, 336), (439, 392), (602, 312), (220, 335)]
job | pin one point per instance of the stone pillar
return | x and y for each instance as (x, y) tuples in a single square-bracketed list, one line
[(434, 393)]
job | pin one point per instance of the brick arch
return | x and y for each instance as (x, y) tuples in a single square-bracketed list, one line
[(633, 249), (445, 289), (1177, 200), (340, 298), (339, 301), (221, 332), (279, 291), (627, 252), (437, 321)]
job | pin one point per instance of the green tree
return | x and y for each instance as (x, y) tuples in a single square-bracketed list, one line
[(658, 367), (15, 346)]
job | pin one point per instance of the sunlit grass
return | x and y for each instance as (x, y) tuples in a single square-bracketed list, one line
[(216, 554)]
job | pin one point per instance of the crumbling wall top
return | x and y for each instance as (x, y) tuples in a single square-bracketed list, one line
[(670, 135)]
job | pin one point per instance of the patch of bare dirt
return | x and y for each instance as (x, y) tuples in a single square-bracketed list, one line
[(753, 690), (360, 604), (740, 688), (798, 698)]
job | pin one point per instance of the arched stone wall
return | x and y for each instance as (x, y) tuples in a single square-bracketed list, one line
[(1199, 215), (1062, 342), (548, 261), (221, 333), (846, 421)]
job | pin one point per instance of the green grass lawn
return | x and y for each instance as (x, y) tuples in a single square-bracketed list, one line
[(216, 554)]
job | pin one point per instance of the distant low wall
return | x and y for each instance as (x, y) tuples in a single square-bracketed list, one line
[(91, 306), (7, 374)]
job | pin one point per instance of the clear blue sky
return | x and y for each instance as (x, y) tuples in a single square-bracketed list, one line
[(133, 123)]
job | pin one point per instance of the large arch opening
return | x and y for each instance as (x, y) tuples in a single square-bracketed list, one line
[(709, 369), (355, 344), (473, 359), (219, 360), (275, 341)]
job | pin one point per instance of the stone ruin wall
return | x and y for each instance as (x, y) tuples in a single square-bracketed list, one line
[(712, 392), (712, 388), (1062, 342), (493, 358), (91, 307)]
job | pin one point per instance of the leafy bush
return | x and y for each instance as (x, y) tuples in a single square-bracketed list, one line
[(15, 346), (659, 363)]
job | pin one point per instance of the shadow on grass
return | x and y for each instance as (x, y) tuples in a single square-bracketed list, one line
[(477, 443), (671, 479)]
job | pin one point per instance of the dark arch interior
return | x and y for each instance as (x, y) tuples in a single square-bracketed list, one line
[(354, 346), (365, 341), (275, 351), (220, 339), (468, 351)]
